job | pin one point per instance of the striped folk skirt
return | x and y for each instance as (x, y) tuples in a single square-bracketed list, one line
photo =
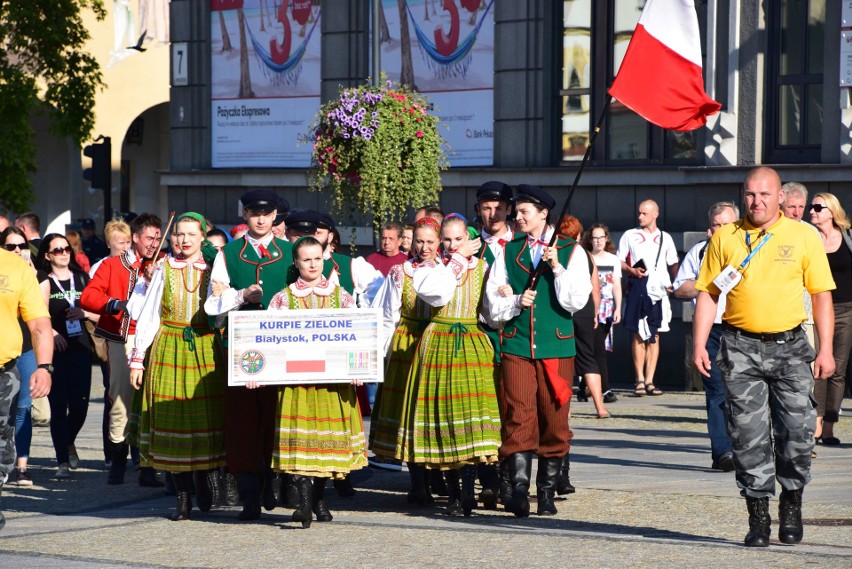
[(452, 416), (392, 397), (178, 417), (320, 431)]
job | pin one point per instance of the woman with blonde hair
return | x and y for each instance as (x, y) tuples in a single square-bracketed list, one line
[(828, 216)]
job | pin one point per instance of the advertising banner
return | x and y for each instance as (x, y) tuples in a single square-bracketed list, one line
[(304, 346), (265, 81)]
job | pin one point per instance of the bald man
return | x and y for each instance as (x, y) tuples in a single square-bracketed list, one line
[(649, 257)]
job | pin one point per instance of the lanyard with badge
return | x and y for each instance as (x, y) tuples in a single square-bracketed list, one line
[(73, 327), (730, 275)]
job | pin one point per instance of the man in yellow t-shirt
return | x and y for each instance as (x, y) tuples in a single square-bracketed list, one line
[(762, 262), (20, 295)]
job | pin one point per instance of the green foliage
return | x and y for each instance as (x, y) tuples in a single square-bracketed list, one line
[(378, 151), (42, 65)]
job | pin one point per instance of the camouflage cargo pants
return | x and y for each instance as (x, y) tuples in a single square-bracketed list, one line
[(768, 389), (9, 385)]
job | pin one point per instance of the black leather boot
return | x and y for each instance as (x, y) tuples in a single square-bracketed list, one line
[(454, 498), (203, 496), (291, 492), (183, 484), (505, 483), (520, 470), (319, 507), (418, 494), (489, 478), (563, 484), (790, 516), (215, 486), (148, 478), (545, 481), (758, 522), (304, 512), (468, 492), (344, 487), (118, 451), (437, 483), (269, 482), (229, 488), (249, 485)]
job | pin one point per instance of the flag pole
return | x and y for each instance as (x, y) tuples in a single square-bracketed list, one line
[(535, 275)]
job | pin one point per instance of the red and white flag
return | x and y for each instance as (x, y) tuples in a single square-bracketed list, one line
[(660, 77)]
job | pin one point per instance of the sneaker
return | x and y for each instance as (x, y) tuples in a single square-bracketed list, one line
[(62, 471), (609, 397), (73, 458), (24, 478)]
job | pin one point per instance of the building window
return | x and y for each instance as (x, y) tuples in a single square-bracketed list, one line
[(795, 77), (595, 39)]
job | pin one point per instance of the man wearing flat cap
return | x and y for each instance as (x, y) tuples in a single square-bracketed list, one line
[(279, 225), (252, 269), (537, 346)]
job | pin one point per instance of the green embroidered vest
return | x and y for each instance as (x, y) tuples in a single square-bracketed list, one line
[(544, 330), (343, 264), (245, 268)]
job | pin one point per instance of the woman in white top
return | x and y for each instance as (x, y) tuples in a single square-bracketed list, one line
[(598, 241)]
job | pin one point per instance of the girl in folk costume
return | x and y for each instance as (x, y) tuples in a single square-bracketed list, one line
[(178, 423), (405, 316), (320, 433)]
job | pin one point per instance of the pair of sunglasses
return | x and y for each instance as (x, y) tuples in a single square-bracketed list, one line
[(60, 250), (817, 207), (12, 246)]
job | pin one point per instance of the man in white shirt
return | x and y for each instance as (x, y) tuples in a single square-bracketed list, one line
[(721, 213), (645, 252)]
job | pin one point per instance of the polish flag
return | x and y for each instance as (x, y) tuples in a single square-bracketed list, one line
[(660, 76)]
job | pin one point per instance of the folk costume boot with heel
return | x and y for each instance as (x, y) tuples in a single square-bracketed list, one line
[(468, 494), (183, 486), (545, 481), (418, 494), (489, 478), (520, 471), (319, 507), (304, 513), (249, 485), (563, 484), (454, 498)]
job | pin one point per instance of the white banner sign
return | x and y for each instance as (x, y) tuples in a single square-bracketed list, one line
[(304, 346)]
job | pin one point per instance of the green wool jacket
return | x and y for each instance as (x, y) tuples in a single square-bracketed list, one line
[(343, 264), (245, 268), (545, 330)]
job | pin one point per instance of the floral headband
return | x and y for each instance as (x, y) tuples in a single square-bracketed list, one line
[(429, 222)]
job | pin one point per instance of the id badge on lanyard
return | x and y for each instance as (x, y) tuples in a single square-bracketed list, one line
[(73, 327), (730, 275)]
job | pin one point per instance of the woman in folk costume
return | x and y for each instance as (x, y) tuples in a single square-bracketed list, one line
[(179, 417), (405, 316), (320, 432)]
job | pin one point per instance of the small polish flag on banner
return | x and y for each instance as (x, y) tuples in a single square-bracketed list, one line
[(660, 77)]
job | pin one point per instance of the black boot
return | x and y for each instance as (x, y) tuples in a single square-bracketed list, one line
[(119, 463), (418, 494), (291, 491), (215, 486), (148, 478), (790, 516), (170, 485), (269, 499), (203, 492), (437, 484), (344, 487), (319, 507), (520, 470), (545, 481), (454, 497), (563, 484), (229, 488), (505, 483), (183, 483), (489, 478), (249, 485), (758, 522), (304, 512), (468, 493)]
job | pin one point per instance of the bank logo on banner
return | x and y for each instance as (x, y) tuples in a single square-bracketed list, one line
[(454, 67), (265, 75)]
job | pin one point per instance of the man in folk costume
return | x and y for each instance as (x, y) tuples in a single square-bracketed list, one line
[(107, 295), (493, 205), (252, 269), (537, 346)]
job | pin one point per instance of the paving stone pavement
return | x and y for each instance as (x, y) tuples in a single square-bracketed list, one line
[(646, 497)]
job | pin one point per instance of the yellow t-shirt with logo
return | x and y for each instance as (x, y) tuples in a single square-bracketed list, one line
[(19, 295), (768, 299)]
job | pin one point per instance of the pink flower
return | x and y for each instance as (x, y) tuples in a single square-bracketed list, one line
[(419, 134)]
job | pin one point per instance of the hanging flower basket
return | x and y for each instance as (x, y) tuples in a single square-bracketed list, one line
[(378, 152)]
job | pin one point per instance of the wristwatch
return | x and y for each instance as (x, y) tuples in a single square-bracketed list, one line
[(48, 367)]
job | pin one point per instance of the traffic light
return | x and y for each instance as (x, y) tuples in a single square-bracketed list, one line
[(100, 174)]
